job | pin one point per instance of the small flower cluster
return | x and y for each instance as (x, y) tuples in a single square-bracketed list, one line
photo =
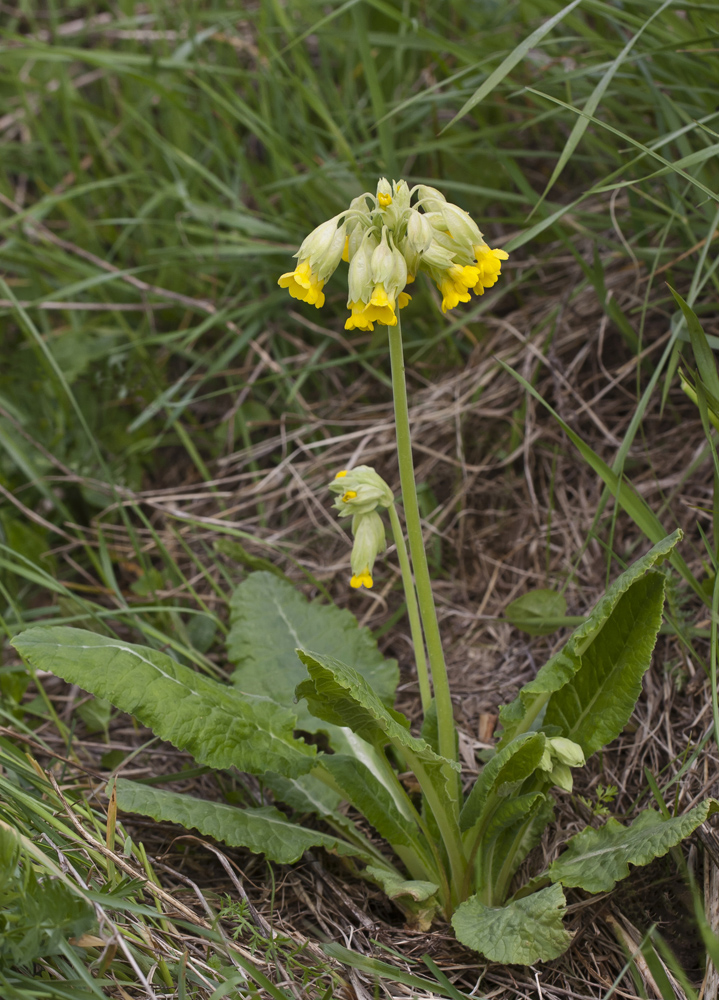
[(560, 754), (359, 493), (387, 240)]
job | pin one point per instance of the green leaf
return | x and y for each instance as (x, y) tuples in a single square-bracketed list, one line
[(270, 618), (538, 612), (512, 843), (594, 707), (371, 798), (523, 932), (264, 830), (211, 720), (596, 859), (503, 773), (394, 886), (563, 666), (339, 694)]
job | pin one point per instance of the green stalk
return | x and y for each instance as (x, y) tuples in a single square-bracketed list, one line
[(445, 715), (415, 625)]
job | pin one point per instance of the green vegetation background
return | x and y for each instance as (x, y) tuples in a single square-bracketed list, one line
[(160, 163)]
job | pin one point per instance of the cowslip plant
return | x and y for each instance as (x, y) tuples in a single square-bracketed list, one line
[(444, 850)]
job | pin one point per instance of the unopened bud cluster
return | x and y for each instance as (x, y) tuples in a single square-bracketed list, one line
[(560, 754), (387, 239), (359, 492)]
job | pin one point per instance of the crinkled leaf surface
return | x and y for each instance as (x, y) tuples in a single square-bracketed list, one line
[(562, 667), (512, 841), (371, 798), (210, 720), (594, 707), (270, 619), (395, 886), (509, 767), (338, 694), (264, 830), (596, 859), (523, 932)]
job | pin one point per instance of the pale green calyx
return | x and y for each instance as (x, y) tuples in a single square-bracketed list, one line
[(566, 751), (360, 491), (322, 249), (561, 754), (369, 541)]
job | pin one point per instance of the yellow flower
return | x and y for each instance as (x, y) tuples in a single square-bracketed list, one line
[(363, 579), (489, 264), (385, 200), (456, 283), (346, 251), (379, 309), (303, 284)]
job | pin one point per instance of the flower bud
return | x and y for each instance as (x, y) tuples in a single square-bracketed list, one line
[(360, 491), (398, 277), (382, 261), (384, 193), (566, 751), (430, 198), (369, 541), (401, 196), (562, 777), (419, 232), (359, 279), (461, 226)]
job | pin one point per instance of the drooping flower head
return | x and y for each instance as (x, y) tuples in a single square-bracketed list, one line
[(359, 492), (387, 239)]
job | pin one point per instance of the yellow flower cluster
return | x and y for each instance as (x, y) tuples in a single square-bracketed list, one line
[(359, 493), (387, 240)]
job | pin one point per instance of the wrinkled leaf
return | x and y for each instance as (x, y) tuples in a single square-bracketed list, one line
[(264, 830), (340, 695), (371, 798), (596, 859), (509, 767), (562, 667), (195, 713), (270, 619), (394, 886), (538, 612), (594, 707), (523, 932)]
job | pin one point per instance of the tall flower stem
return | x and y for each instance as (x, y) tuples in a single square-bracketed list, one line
[(415, 625), (445, 715)]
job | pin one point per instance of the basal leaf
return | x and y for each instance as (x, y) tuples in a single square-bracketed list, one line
[(595, 705), (560, 669), (270, 619), (510, 766), (340, 695), (371, 798), (510, 812), (195, 713), (518, 829), (596, 859), (395, 886), (264, 830), (523, 932)]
